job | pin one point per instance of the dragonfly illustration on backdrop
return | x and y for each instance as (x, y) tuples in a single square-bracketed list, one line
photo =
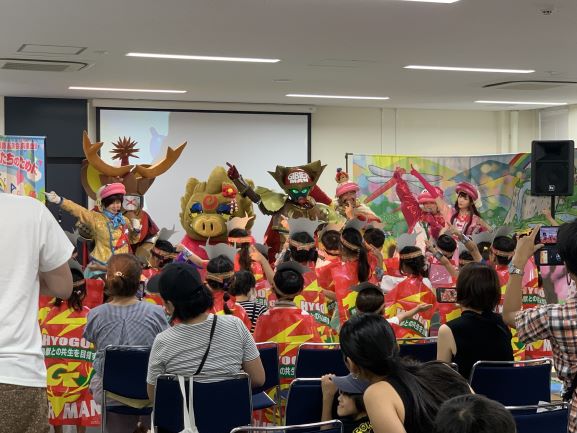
[(384, 178)]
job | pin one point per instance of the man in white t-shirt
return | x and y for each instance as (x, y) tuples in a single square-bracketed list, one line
[(34, 252)]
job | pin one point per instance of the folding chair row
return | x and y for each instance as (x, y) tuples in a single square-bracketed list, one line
[(513, 383), (551, 418)]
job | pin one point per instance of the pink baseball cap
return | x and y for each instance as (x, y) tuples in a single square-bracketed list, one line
[(468, 189), (112, 189), (345, 187), (426, 197)]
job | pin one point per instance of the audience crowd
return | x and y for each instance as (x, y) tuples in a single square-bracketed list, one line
[(331, 284)]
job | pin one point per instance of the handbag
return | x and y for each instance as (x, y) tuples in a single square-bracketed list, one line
[(189, 421)]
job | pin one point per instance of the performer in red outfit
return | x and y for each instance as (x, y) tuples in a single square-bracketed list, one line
[(428, 209)]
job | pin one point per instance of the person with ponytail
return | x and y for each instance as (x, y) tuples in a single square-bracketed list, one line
[(219, 278), (200, 342), (123, 320), (410, 291), (404, 396), (353, 268), (64, 347)]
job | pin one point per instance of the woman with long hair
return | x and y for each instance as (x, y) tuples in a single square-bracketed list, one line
[(466, 218), (403, 396)]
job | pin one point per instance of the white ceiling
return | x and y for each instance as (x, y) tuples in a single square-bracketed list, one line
[(371, 40)]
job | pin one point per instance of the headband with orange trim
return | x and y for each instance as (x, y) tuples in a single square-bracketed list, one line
[(502, 253), (301, 245), (219, 277), (161, 253), (412, 255), (350, 246), (240, 240)]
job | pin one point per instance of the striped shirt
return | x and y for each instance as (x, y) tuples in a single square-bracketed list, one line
[(253, 311), (132, 325), (179, 350)]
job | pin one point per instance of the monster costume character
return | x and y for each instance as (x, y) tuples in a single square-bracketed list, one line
[(207, 206), (137, 179), (299, 201)]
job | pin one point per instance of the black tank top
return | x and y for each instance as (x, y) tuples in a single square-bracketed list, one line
[(480, 337)]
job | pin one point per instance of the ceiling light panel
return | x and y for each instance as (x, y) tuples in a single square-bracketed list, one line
[(116, 89), (206, 58), (522, 103), (466, 69), (304, 95)]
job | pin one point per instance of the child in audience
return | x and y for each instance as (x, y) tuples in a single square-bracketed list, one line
[(474, 413), (403, 395), (353, 268), (479, 334), (242, 288), (227, 344), (351, 408), (219, 276), (64, 322), (285, 323), (124, 320), (411, 291)]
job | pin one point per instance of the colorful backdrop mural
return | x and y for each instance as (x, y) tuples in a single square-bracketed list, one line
[(22, 165), (504, 182)]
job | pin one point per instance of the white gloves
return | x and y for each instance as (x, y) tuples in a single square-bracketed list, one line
[(136, 225), (52, 197)]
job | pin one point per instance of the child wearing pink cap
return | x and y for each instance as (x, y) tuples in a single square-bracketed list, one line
[(347, 203), (465, 216), (113, 233)]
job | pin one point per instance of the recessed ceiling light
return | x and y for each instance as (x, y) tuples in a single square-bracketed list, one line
[(521, 103), (455, 68), (115, 89), (299, 95), (433, 1), (210, 58)]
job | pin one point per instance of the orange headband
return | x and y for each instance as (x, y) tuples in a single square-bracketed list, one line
[(412, 255), (349, 245), (240, 240), (219, 278), (502, 253), (300, 245)]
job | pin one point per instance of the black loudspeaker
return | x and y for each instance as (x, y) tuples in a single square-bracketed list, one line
[(552, 167)]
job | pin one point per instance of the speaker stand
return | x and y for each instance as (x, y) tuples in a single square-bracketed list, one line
[(553, 206)]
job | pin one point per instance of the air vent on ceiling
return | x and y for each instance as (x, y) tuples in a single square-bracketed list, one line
[(529, 85), (41, 65)]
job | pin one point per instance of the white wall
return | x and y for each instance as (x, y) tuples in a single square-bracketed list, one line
[(340, 130)]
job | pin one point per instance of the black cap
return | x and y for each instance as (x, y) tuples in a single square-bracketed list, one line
[(153, 284), (179, 281), (350, 384)]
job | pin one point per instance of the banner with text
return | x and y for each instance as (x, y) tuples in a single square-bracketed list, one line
[(22, 164)]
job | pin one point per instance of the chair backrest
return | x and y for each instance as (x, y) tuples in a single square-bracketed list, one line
[(219, 406), (269, 358), (125, 370), (419, 349), (304, 402), (513, 383), (317, 359), (333, 426), (552, 421)]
